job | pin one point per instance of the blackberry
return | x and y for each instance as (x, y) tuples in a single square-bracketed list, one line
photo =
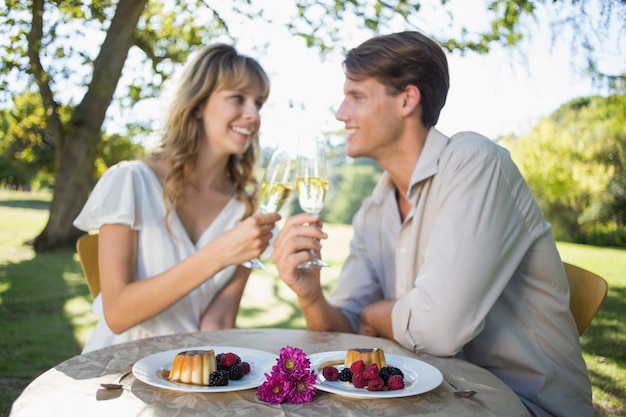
[(220, 367), (218, 379), (345, 375), (388, 371), (235, 372)]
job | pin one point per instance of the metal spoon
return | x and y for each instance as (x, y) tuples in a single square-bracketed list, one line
[(459, 391), (127, 371)]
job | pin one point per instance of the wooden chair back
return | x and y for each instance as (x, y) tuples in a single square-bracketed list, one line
[(87, 248), (587, 292)]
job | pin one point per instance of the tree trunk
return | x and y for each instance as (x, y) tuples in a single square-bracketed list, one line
[(76, 143), (74, 173)]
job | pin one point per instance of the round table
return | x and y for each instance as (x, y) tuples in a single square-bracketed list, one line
[(73, 387)]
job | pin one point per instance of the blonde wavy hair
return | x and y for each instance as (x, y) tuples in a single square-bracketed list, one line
[(214, 68)]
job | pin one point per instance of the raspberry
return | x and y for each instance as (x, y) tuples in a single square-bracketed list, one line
[(395, 382), (246, 368), (330, 373), (345, 375), (235, 372), (218, 379), (375, 384), (228, 359), (218, 359), (357, 366), (358, 380), (370, 372)]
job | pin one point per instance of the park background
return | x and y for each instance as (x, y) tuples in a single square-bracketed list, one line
[(45, 305), (545, 79)]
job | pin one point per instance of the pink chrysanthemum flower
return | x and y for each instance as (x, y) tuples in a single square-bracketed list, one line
[(292, 361), (274, 390), (290, 380), (303, 389)]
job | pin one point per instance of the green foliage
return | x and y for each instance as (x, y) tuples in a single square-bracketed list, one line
[(353, 183), (11, 175), (320, 23), (615, 209), (26, 151), (574, 161), (506, 22), (116, 148), (73, 31), (603, 234)]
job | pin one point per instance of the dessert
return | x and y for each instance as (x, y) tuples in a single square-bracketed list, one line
[(193, 367), (367, 355), (365, 368)]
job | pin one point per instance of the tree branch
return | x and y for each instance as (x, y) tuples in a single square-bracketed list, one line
[(54, 125), (108, 65)]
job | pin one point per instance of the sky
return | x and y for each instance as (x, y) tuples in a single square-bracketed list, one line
[(503, 92)]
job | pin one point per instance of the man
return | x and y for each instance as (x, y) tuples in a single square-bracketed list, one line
[(451, 254)]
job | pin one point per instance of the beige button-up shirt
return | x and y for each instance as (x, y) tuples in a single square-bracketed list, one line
[(474, 271)]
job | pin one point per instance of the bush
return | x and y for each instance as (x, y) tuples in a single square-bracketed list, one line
[(609, 234)]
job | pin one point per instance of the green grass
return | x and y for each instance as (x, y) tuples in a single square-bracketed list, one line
[(45, 307), (604, 343)]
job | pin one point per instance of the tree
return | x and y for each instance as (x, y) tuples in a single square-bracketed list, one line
[(26, 149), (50, 44), (588, 24), (574, 161), (27, 153), (42, 49)]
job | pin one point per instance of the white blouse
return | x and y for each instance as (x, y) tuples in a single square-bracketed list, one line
[(130, 193)]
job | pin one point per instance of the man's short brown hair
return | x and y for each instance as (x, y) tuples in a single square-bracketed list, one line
[(401, 59)]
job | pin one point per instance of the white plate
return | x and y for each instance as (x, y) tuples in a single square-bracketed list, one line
[(420, 376), (150, 369)]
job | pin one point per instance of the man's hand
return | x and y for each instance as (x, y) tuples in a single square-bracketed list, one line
[(300, 234), (376, 319)]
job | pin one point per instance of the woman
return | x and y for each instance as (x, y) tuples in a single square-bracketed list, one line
[(174, 229)]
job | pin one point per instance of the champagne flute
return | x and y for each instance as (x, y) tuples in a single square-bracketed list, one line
[(312, 185), (275, 189)]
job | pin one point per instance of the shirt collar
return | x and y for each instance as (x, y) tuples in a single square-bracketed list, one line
[(426, 166), (428, 162)]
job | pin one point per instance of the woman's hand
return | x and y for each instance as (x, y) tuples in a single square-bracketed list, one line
[(247, 240)]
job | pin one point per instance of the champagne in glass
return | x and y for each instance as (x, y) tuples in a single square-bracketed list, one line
[(312, 186), (275, 189), (312, 193), (273, 196)]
